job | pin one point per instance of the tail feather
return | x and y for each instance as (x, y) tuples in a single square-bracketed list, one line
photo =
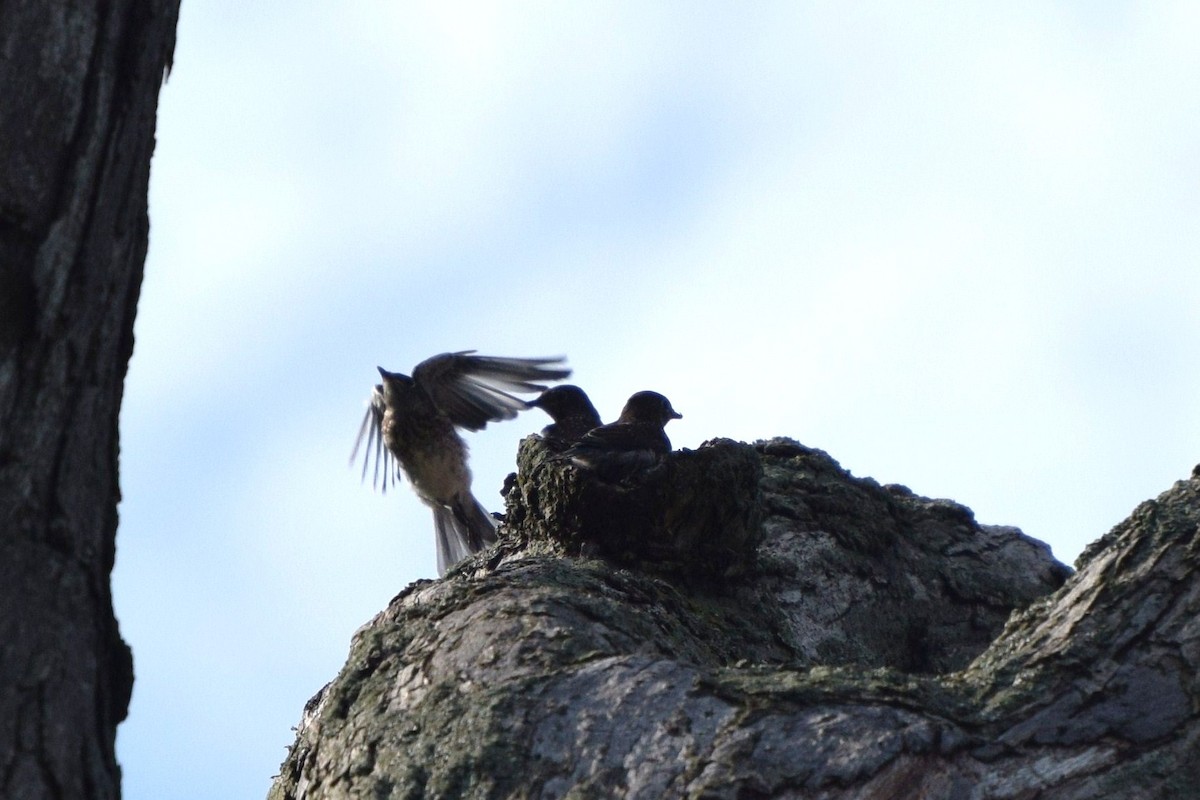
[(451, 538), (462, 531)]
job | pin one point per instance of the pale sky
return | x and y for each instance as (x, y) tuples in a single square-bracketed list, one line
[(955, 246)]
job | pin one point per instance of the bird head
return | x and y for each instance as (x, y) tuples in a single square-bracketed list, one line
[(649, 407), (395, 385), (562, 400)]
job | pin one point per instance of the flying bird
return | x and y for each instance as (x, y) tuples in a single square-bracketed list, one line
[(413, 420), (635, 440), (572, 412)]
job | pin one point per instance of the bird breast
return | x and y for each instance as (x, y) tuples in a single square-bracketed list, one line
[(432, 455)]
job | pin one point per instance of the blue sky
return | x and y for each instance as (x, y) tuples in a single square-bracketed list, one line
[(956, 247)]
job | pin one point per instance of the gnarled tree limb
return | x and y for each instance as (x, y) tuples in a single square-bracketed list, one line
[(587, 660)]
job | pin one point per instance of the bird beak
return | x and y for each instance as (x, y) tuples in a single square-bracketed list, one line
[(675, 414)]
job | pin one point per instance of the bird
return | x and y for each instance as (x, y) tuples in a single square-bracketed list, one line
[(635, 440), (414, 421), (572, 412)]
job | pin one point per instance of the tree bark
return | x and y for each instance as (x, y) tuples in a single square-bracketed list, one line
[(80, 84), (585, 659)]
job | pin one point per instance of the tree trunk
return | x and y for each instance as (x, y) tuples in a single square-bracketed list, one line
[(80, 84), (641, 640)]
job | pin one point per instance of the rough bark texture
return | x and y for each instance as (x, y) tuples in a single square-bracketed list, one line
[(868, 651), (80, 84)]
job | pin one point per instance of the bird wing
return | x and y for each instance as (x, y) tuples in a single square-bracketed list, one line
[(618, 450), (371, 429), (618, 438), (474, 390)]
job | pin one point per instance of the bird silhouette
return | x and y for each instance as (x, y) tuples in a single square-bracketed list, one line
[(572, 412), (414, 421), (635, 440)]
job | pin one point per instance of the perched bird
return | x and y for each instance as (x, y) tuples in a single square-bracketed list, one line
[(635, 440), (572, 412), (413, 420)]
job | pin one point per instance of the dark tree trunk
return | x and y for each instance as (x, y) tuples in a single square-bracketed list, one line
[(856, 646), (79, 82)]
